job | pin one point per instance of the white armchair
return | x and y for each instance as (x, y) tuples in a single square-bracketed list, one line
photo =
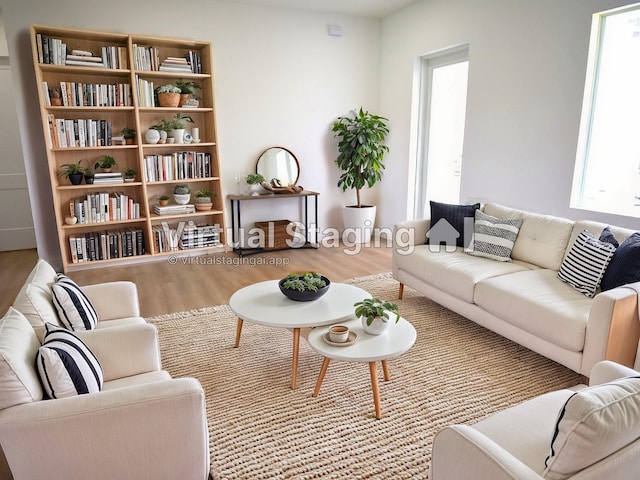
[(142, 425), (594, 435)]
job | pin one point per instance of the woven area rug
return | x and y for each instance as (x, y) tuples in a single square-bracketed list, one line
[(457, 372)]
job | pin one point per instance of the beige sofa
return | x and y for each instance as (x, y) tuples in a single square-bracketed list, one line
[(579, 433), (523, 300)]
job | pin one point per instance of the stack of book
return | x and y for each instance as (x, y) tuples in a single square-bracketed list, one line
[(175, 64), (101, 178), (174, 209), (201, 236), (83, 58)]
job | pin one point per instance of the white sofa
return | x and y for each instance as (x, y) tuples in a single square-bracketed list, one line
[(523, 300), (590, 435)]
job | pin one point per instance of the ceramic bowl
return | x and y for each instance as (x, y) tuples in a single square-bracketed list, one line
[(307, 295)]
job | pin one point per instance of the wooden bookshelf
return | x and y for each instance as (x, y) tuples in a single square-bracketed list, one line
[(103, 89)]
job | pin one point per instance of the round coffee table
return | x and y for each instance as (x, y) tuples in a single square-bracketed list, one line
[(264, 304), (398, 338)]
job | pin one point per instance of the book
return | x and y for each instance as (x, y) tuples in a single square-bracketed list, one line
[(85, 63)]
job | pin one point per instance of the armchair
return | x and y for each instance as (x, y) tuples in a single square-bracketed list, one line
[(143, 424), (584, 433)]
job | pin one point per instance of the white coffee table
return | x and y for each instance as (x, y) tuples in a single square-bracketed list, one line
[(399, 338), (264, 304)]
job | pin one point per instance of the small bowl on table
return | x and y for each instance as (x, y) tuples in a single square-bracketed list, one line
[(305, 295)]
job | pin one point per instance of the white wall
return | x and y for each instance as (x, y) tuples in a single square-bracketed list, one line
[(526, 78), (279, 80)]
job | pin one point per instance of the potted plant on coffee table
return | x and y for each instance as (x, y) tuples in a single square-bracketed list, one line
[(375, 314), (304, 286), (361, 150)]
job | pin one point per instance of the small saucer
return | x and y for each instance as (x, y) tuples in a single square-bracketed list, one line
[(353, 336)]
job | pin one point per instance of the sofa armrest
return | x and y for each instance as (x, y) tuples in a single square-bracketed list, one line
[(124, 350), (607, 371), (410, 232), (155, 430), (461, 452), (113, 300)]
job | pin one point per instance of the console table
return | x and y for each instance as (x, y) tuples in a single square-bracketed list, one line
[(236, 218)]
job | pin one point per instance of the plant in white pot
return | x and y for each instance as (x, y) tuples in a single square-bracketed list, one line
[(182, 194), (375, 314), (177, 124), (254, 180), (361, 150)]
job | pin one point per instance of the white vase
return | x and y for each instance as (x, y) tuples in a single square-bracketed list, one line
[(152, 136), (163, 136), (255, 189), (377, 327), (178, 135), (358, 223), (182, 199)]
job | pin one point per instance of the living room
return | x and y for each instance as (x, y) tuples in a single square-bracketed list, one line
[(281, 79)]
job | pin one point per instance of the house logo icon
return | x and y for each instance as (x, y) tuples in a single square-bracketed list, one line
[(443, 233)]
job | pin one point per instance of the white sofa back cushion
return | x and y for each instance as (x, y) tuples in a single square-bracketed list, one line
[(593, 424), (542, 239), (19, 382)]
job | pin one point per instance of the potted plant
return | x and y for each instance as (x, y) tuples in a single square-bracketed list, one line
[(177, 124), (204, 199), (361, 152), (129, 135), (163, 128), (168, 95), (73, 171), (129, 174), (55, 95), (187, 93), (163, 200), (88, 175), (375, 313), (105, 163), (182, 194), (254, 180), (304, 286)]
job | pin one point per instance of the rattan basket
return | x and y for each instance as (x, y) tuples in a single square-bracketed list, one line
[(169, 99), (275, 233)]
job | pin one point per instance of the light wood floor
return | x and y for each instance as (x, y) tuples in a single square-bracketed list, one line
[(197, 282)]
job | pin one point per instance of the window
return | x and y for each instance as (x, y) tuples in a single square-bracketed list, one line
[(440, 129), (607, 170)]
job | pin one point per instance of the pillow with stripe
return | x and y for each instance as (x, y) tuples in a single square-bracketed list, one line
[(66, 366), (74, 308), (584, 265), (494, 237)]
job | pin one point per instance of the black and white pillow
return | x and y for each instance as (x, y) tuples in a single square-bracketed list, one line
[(74, 308), (584, 266), (494, 237), (66, 366)]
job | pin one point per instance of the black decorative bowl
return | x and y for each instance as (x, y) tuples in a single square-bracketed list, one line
[(306, 295)]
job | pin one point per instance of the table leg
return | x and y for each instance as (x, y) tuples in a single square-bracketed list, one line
[(294, 367), (238, 332), (374, 387), (385, 370), (323, 370)]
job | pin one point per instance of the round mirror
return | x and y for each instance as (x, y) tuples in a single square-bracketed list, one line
[(280, 163)]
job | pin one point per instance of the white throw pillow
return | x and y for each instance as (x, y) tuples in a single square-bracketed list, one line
[(584, 265), (494, 237), (66, 365), (593, 424), (75, 311)]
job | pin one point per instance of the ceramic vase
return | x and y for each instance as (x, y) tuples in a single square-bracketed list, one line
[(377, 327)]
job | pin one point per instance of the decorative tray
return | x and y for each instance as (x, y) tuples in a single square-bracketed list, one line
[(353, 336)]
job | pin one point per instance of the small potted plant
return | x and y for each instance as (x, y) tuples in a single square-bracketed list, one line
[(55, 95), (129, 135), (88, 175), (204, 199), (163, 128), (163, 200), (182, 194), (304, 286), (129, 174), (73, 171), (177, 124), (105, 163), (187, 93), (168, 95), (375, 313), (254, 180)]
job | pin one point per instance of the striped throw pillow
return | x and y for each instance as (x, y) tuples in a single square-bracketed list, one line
[(494, 237), (74, 308), (584, 265), (66, 366)]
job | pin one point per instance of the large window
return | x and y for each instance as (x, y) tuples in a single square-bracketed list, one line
[(607, 172)]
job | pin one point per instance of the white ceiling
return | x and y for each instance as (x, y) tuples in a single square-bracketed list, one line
[(364, 8)]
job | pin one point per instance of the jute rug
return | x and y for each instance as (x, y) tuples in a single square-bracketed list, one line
[(457, 372)]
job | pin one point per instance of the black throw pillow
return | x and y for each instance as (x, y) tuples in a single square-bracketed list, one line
[(625, 264), (607, 236), (454, 215)]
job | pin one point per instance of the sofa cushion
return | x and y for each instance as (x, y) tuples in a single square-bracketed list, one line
[(593, 424), (19, 382), (542, 239), (455, 215), (74, 308), (625, 265), (66, 365), (493, 237), (607, 236), (537, 302), (34, 299), (584, 265)]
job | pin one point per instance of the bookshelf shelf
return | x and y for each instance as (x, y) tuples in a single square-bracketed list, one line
[(98, 102)]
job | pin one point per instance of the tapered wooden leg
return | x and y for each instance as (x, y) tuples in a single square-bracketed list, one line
[(238, 332), (385, 370), (400, 291), (323, 370), (294, 367), (374, 386)]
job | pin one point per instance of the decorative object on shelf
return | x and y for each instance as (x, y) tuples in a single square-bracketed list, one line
[(361, 151), (129, 135), (88, 175), (129, 174), (182, 194), (254, 180), (152, 136), (195, 133), (105, 163), (55, 96), (177, 125), (73, 171), (187, 138), (70, 220), (375, 314), (168, 95), (187, 93), (305, 286), (204, 200), (163, 200)]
